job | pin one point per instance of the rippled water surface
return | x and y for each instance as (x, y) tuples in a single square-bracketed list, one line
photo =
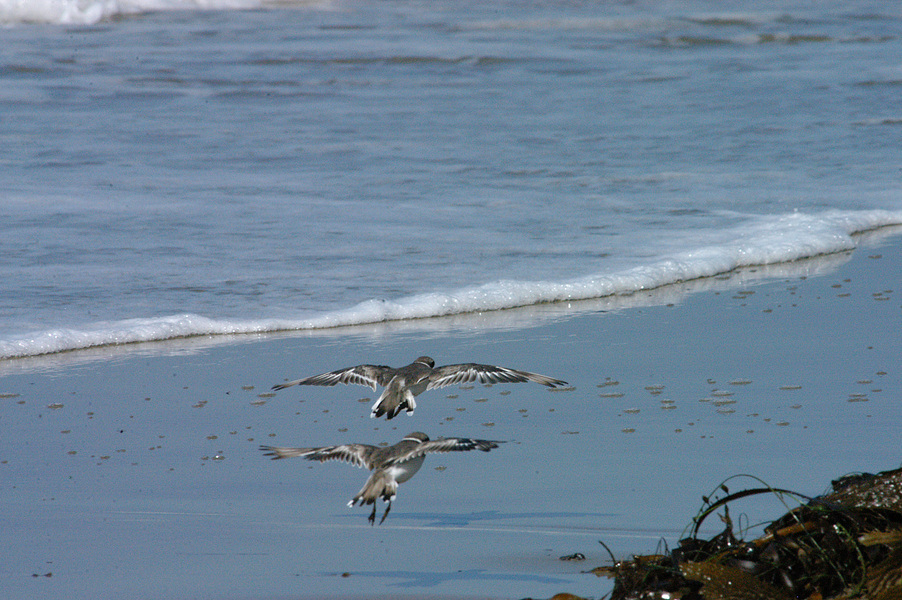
[(180, 171)]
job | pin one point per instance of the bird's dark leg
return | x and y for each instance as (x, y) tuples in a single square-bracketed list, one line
[(372, 517), (385, 514)]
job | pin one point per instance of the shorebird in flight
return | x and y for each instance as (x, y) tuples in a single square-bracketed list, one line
[(403, 384), (390, 465)]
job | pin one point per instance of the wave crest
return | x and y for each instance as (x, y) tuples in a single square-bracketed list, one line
[(769, 240)]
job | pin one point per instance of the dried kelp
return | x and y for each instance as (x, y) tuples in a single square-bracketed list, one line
[(844, 545)]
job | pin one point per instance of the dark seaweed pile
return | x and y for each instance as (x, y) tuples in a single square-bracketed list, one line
[(842, 545)]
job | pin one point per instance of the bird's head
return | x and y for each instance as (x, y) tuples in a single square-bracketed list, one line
[(425, 360)]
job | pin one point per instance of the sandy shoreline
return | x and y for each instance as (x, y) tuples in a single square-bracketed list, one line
[(135, 472)]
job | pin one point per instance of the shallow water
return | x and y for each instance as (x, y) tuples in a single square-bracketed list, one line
[(169, 172)]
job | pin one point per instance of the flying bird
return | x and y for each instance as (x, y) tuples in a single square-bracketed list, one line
[(390, 465), (402, 385)]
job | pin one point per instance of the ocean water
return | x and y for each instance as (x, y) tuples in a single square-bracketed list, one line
[(173, 167)]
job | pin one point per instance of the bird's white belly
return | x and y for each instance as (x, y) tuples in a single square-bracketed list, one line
[(404, 471)]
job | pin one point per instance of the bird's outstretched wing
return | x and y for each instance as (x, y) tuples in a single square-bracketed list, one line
[(456, 374), (446, 445), (368, 375), (356, 454)]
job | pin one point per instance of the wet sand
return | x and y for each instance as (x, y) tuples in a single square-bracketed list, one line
[(135, 471)]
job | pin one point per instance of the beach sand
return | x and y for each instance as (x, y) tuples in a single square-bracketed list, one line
[(134, 471)]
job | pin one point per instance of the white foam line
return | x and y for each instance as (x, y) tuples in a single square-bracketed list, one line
[(766, 241), (89, 12)]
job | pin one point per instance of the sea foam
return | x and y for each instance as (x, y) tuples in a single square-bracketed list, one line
[(87, 12), (763, 241)]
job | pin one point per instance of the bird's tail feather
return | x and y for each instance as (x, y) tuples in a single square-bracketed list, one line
[(379, 485), (392, 402)]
